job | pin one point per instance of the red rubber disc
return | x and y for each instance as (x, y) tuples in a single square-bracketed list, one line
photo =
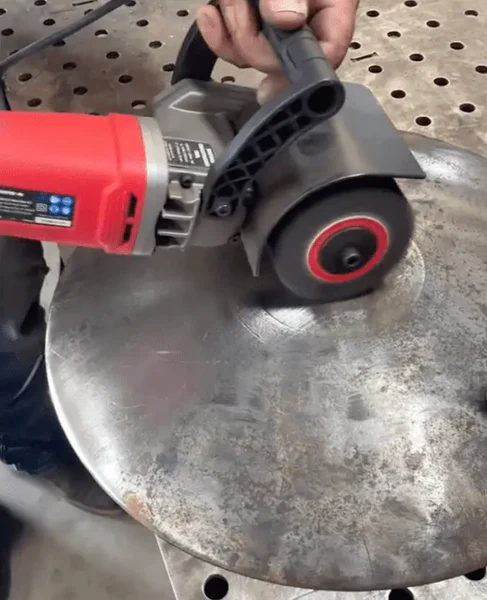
[(373, 226)]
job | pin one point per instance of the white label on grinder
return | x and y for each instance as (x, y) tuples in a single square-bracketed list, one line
[(187, 153)]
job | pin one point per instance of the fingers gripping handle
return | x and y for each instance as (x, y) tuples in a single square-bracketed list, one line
[(298, 51)]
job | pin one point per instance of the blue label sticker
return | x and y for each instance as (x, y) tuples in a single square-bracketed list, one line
[(37, 206)]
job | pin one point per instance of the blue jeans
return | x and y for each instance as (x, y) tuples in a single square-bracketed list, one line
[(31, 438)]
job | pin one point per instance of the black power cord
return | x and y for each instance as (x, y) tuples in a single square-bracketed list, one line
[(50, 40)]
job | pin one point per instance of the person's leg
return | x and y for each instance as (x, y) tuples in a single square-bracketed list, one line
[(31, 439)]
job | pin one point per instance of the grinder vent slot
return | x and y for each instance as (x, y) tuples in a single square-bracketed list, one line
[(129, 220), (127, 233), (132, 206)]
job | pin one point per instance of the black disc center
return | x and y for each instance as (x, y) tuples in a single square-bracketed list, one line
[(348, 250)]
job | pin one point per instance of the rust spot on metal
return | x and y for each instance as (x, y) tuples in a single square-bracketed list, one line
[(138, 509)]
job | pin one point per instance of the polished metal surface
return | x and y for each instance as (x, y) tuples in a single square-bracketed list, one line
[(332, 447), (190, 576)]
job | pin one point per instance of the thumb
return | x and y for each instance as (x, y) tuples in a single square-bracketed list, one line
[(269, 87), (286, 14)]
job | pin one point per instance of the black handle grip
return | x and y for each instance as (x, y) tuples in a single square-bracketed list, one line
[(295, 49), (300, 54), (195, 59)]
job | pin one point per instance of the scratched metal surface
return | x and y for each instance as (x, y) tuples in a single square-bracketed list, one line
[(141, 42), (340, 447), (193, 579)]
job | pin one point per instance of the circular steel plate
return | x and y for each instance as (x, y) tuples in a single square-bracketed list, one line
[(335, 447)]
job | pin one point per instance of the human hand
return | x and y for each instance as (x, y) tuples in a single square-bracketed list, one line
[(233, 35)]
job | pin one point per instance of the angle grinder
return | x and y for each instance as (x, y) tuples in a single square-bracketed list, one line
[(308, 179)]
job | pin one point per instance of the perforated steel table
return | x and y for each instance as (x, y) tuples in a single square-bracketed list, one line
[(417, 516)]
